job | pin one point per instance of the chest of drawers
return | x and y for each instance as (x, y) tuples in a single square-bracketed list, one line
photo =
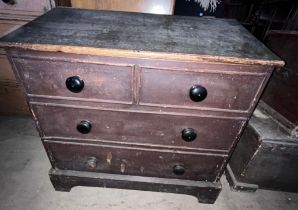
[(139, 101)]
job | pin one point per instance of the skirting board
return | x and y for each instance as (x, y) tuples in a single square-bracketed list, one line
[(64, 180)]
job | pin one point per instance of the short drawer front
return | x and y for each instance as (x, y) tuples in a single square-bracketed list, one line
[(101, 82), (138, 128), (224, 91), (134, 161)]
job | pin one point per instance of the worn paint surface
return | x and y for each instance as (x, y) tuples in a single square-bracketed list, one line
[(139, 105), (78, 31)]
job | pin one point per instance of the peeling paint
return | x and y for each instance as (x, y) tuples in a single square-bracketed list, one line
[(109, 158), (122, 167)]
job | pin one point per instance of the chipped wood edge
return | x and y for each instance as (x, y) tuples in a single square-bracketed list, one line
[(141, 54)]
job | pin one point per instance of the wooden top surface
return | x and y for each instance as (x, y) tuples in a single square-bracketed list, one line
[(141, 35)]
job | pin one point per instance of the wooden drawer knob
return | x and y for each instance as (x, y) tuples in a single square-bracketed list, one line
[(11, 2), (178, 169), (75, 84), (188, 134), (197, 93), (84, 126), (92, 162)]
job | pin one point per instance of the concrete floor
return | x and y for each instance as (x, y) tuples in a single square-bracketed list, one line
[(24, 183)]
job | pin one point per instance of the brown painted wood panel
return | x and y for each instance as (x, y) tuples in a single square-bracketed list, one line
[(132, 161), (139, 128), (101, 82), (225, 91)]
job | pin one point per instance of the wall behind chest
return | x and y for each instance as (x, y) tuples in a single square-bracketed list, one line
[(13, 14)]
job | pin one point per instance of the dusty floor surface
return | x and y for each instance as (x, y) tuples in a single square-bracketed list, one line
[(24, 183)]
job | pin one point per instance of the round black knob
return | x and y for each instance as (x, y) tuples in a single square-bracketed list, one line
[(84, 127), (197, 93), (188, 134), (74, 84), (178, 170), (12, 2)]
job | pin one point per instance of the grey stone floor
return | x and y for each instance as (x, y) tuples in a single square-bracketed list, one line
[(24, 183)]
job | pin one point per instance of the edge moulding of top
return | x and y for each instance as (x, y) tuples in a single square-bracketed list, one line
[(142, 54)]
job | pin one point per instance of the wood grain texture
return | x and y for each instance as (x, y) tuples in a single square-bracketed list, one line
[(143, 6), (18, 15), (144, 35)]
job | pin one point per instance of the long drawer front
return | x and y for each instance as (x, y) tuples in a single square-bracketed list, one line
[(134, 161), (138, 128)]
